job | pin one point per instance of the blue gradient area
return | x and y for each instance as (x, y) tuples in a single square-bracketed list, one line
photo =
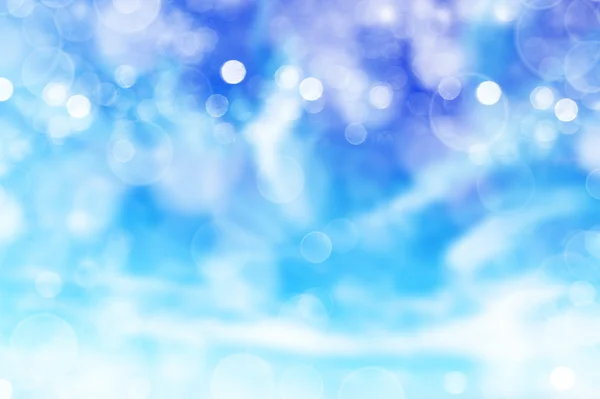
[(249, 199)]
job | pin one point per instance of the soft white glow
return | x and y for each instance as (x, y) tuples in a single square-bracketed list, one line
[(566, 110), (6, 389), (545, 131), (48, 284), (123, 150), (381, 96), (455, 383), (55, 94), (233, 72), (316, 247), (541, 98), (6, 89), (488, 93), (217, 105), (449, 88), (287, 77), (355, 133), (582, 293), (311, 89), (592, 183), (125, 76), (562, 378), (79, 106)]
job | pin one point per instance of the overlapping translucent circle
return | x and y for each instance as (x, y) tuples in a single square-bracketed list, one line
[(582, 20), (39, 28), (506, 187), (46, 65), (305, 309), (372, 383), (582, 66), (180, 90), (461, 120), (42, 348), (127, 16), (540, 4), (243, 376), (73, 21), (139, 152), (542, 40)]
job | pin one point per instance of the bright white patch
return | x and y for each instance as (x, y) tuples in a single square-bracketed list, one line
[(311, 89), (562, 378), (488, 93), (455, 383), (381, 96), (6, 389), (233, 72), (55, 94), (6, 89), (566, 110), (541, 98), (79, 106)]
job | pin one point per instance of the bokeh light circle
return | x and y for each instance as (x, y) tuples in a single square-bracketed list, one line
[(355, 134), (540, 4), (316, 247), (582, 256), (43, 347), (282, 181), (48, 284), (243, 376), (72, 21), (542, 41), (6, 89), (46, 65), (151, 152), (506, 187), (582, 67), (464, 121), (582, 20), (592, 183), (233, 72), (372, 383)]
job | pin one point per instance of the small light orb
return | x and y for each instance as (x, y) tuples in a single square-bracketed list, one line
[(126, 6), (123, 150), (592, 183), (6, 89), (6, 389), (55, 94), (455, 383), (566, 110), (311, 89), (233, 72), (449, 88), (582, 293), (79, 106), (217, 105), (562, 378), (287, 77), (48, 284), (381, 96), (316, 247), (488, 93), (224, 133), (542, 98), (125, 76), (355, 133)]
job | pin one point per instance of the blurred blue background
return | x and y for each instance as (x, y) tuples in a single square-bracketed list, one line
[(268, 199)]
